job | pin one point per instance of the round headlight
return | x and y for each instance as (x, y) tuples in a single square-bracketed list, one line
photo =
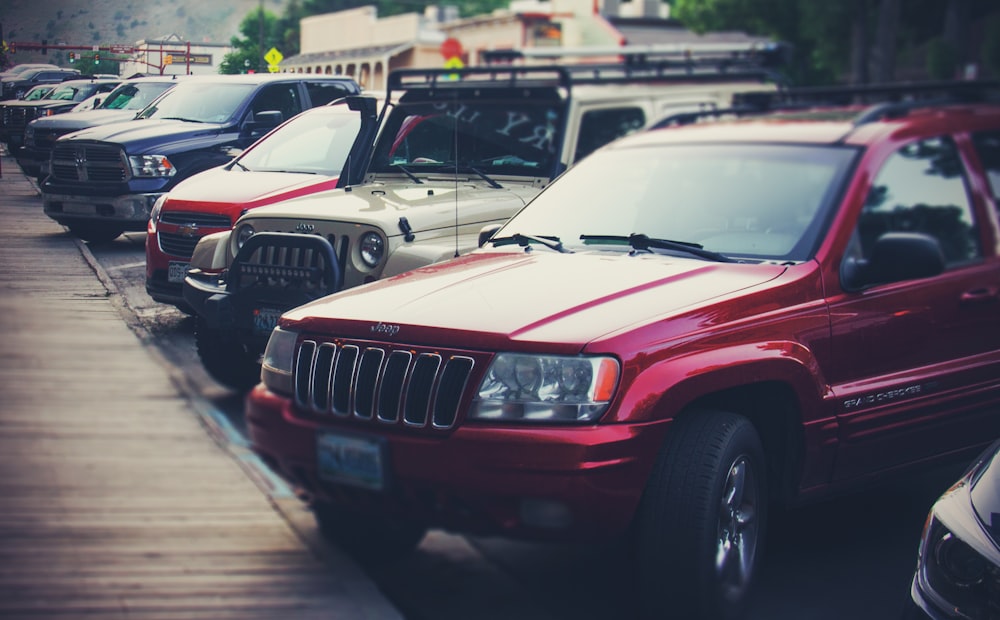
[(243, 234), (372, 248)]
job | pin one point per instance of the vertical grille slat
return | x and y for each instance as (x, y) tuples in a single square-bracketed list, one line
[(418, 393), (374, 383)]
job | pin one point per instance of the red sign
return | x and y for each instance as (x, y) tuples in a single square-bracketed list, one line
[(451, 48)]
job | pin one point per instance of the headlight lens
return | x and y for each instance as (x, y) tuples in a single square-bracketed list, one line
[(152, 166), (372, 248), (546, 388), (279, 361), (154, 214), (243, 233), (29, 135)]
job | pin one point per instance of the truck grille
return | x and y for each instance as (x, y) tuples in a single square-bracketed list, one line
[(89, 163), (374, 383), (46, 139), (196, 226), (17, 118)]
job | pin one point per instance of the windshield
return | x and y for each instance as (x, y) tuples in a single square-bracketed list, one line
[(764, 202), (37, 92), (493, 137), (134, 96), (317, 142), (199, 102), (66, 92)]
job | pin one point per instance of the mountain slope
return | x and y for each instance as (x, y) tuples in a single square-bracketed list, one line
[(107, 22)]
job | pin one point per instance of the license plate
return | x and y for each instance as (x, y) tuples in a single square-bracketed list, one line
[(176, 272), (356, 461), (265, 319)]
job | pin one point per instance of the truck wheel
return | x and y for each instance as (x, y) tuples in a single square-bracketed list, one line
[(94, 233), (226, 359), (700, 525), (368, 538)]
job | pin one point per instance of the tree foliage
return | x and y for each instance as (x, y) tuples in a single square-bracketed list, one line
[(848, 40), (261, 31)]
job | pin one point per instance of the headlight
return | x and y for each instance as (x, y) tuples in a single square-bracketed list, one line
[(29, 135), (156, 166), (372, 248), (154, 214), (243, 232), (959, 564), (279, 361), (544, 388)]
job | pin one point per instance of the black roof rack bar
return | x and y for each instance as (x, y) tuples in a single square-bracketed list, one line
[(574, 74), (478, 77), (759, 51)]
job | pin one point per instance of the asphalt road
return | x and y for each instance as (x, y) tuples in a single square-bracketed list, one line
[(850, 558)]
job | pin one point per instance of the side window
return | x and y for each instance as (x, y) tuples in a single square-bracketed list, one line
[(921, 188), (599, 127), (321, 93), (281, 97), (987, 146)]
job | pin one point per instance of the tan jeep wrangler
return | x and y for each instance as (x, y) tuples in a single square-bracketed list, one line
[(458, 152)]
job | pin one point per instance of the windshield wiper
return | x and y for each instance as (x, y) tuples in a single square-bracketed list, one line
[(405, 171), (482, 175), (240, 166), (525, 241), (180, 118), (642, 242)]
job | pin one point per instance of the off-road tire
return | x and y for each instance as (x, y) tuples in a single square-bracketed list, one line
[(225, 359), (708, 488)]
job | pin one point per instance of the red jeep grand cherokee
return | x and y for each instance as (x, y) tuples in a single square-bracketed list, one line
[(686, 327)]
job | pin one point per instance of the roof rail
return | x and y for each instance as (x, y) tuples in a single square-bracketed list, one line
[(887, 100)]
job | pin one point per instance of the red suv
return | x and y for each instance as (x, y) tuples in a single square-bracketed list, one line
[(303, 156), (688, 326)]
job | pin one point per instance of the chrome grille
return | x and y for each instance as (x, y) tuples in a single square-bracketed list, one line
[(374, 383), (182, 244), (89, 163), (211, 220)]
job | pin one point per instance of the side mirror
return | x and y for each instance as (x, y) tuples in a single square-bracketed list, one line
[(896, 256), (265, 120), (486, 233)]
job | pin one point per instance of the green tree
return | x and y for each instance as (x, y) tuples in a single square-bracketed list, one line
[(848, 41), (259, 26)]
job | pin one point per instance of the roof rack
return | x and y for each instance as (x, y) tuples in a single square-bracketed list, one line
[(635, 70), (477, 77), (756, 53), (892, 100)]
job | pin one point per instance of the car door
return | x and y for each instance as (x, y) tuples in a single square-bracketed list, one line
[(916, 361)]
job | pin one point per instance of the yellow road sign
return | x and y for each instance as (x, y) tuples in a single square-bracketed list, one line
[(273, 56)]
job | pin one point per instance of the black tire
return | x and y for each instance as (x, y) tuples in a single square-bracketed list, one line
[(225, 359), (368, 538), (95, 233), (700, 526)]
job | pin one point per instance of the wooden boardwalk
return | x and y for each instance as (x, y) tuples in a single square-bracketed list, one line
[(115, 501)]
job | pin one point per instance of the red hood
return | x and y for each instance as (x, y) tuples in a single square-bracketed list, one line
[(222, 191), (485, 299)]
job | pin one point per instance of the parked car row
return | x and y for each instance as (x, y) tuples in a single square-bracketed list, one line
[(523, 302)]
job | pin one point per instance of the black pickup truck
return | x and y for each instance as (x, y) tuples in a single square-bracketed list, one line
[(104, 180)]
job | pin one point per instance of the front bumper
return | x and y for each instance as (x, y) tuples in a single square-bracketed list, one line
[(545, 483), (129, 211)]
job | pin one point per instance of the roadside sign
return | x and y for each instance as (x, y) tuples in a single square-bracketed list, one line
[(273, 58)]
